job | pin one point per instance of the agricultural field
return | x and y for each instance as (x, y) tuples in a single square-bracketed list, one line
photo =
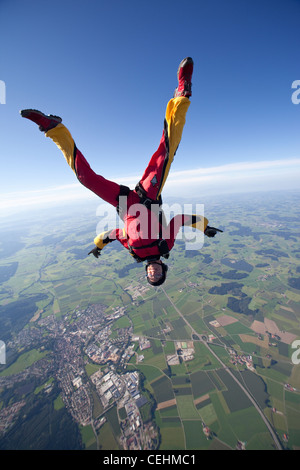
[(237, 290), (232, 305)]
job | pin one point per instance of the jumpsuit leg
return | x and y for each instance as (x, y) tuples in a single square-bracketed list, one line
[(157, 171), (105, 189)]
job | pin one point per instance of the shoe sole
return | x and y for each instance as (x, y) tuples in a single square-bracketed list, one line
[(26, 113), (183, 63)]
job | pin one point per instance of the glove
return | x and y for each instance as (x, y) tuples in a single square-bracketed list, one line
[(96, 252), (211, 231)]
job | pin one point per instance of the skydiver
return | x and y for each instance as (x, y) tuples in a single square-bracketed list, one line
[(147, 215)]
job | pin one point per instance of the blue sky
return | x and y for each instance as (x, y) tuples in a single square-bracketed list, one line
[(109, 69)]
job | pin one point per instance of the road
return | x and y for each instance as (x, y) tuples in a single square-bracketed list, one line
[(247, 393)]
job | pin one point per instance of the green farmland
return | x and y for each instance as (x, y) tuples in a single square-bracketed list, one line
[(236, 298)]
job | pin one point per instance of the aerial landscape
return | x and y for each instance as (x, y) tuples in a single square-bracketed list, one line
[(95, 358)]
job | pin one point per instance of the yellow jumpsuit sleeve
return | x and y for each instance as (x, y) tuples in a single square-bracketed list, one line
[(109, 236), (199, 222), (103, 239)]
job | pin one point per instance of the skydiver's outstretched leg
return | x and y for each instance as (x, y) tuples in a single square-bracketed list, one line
[(107, 190), (51, 125), (156, 173)]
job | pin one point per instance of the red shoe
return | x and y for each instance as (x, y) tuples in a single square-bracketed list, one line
[(184, 75), (44, 122)]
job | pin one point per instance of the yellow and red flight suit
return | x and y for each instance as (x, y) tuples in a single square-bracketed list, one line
[(145, 234)]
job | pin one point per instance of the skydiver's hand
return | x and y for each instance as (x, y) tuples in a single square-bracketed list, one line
[(96, 252), (211, 231)]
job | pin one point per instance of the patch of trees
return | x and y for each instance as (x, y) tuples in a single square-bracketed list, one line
[(240, 305), (11, 242), (243, 231), (123, 272), (192, 253), (238, 265), (41, 427), (287, 235), (6, 272), (294, 282), (15, 315), (273, 254), (225, 288)]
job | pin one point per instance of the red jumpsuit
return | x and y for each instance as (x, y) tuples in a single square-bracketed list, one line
[(143, 227)]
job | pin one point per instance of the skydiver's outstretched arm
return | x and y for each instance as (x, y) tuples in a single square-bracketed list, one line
[(105, 238), (201, 223), (101, 241), (195, 221)]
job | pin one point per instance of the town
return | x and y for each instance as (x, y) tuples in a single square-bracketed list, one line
[(81, 338)]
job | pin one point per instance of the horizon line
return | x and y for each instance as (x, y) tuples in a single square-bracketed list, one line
[(228, 178)]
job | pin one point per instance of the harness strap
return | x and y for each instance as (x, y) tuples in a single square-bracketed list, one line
[(124, 191), (146, 201), (160, 243)]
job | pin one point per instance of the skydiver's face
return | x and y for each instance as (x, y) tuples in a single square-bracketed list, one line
[(154, 271)]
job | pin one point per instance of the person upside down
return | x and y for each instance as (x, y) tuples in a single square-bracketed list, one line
[(145, 234)]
